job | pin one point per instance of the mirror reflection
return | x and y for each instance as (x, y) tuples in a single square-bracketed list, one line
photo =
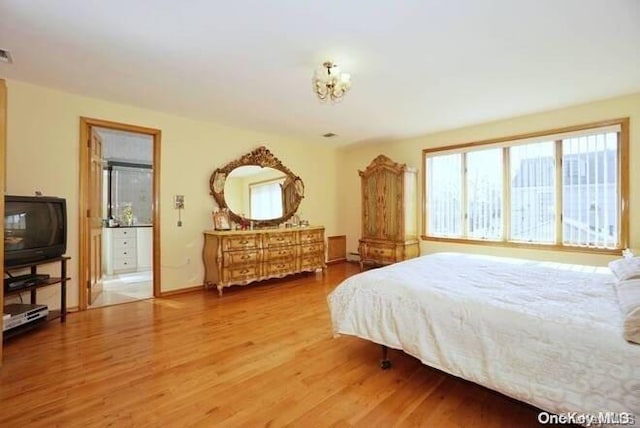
[(255, 193), (257, 187)]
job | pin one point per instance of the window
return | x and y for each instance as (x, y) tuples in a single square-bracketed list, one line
[(484, 194), (266, 200), (533, 192), (131, 191), (446, 196), (591, 195), (565, 189)]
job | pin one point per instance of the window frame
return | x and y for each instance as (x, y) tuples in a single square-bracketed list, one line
[(513, 140)]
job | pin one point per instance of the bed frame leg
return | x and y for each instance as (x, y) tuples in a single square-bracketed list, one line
[(385, 363)]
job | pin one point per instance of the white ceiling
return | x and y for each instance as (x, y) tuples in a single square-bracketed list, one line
[(416, 66)]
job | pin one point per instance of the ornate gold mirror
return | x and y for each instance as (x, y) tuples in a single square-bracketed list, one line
[(257, 188)]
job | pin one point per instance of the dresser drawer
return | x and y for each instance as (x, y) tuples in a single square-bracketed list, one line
[(307, 236), (124, 263), (312, 261), (123, 243), (123, 232), (280, 253), (280, 239), (124, 253), (241, 242), (280, 267), (241, 273), (233, 258), (317, 248)]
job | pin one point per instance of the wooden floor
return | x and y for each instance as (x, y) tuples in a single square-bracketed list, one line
[(261, 355)]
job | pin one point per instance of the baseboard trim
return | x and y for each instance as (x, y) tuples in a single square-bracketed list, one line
[(182, 291)]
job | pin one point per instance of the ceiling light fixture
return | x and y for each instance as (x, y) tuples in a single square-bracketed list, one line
[(329, 83)]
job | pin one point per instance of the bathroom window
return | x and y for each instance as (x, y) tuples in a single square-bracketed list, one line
[(129, 188)]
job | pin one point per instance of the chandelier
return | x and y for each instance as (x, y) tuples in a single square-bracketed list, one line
[(329, 83)]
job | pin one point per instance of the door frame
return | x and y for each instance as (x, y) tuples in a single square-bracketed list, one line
[(86, 125), (3, 173)]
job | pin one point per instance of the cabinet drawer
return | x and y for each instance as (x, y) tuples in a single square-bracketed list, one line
[(241, 273), (280, 239), (123, 233), (240, 242), (124, 263), (381, 253), (124, 253), (307, 236), (233, 258), (312, 262), (281, 267), (280, 253), (317, 248), (119, 244)]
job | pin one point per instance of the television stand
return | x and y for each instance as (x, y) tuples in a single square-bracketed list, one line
[(32, 281), (21, 282)]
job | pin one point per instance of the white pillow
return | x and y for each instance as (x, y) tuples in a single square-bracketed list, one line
[(629, 299), (625, 269)]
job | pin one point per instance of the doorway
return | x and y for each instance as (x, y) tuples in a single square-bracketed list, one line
[(119, 206)]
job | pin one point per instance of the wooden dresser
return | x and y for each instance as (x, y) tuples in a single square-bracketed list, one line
[(240, 257), (389, 213)]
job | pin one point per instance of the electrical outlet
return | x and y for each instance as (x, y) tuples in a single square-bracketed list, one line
[(178, 202)]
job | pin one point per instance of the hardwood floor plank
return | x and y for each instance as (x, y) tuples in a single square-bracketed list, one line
[(262, 355)]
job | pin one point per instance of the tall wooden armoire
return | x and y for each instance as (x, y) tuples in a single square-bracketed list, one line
[(389, 213)]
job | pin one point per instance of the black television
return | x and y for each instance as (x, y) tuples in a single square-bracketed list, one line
[(35, 228)]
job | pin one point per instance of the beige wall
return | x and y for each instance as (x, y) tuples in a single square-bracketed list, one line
[(234, 195), (43, 154), (409, 151)]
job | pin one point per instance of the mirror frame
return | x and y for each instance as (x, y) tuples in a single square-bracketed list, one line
[(261, 157)]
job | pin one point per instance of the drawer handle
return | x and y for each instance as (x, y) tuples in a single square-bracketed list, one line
[(244, 242), (245, 257), (244, 271), (124, 242), (280, 266), (282, 252)]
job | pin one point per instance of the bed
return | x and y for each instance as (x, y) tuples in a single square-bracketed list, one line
[(548, 334)]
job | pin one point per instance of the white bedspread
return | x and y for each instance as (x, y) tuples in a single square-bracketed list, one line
[(548, 334)]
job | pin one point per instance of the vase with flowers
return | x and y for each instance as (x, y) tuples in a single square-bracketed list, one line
[(127, 215)]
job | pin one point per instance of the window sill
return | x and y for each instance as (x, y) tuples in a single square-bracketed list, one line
[(525, 245)]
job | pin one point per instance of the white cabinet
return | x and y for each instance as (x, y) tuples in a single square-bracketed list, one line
[(144, 247), (120, 250)]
